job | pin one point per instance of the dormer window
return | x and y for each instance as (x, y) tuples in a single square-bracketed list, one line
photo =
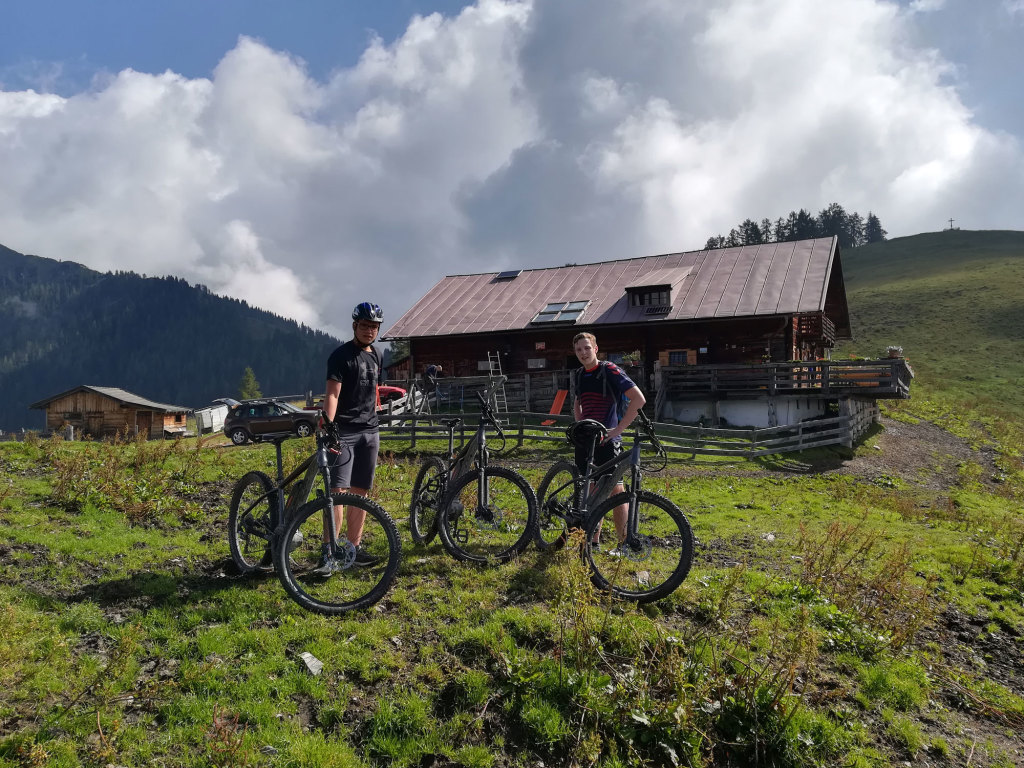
[(644, 297), (561, 312)]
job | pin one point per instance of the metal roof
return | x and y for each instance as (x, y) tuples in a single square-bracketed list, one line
[(121, 395), (768, 279)]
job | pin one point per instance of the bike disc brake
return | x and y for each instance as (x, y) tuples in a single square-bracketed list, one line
[(345, 553)]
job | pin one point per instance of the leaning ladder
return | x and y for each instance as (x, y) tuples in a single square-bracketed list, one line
[(500, 403)]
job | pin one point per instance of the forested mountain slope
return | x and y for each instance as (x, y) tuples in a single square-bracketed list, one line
[(62, 325)]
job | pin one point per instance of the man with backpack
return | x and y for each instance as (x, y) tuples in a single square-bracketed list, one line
[(350, 409), (599, 390)]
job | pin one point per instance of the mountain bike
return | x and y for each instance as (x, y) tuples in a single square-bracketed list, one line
[(264, 513), (652, 539), (436, 472), (484, 513)]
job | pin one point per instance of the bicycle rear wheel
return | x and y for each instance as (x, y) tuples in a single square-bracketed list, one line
[(249, 526), (352, 585), (556, 501), (488, 523), (645, 567), (427, 492)]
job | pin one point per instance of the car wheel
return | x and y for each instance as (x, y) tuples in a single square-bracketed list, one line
[(239, 436), (303, 429)]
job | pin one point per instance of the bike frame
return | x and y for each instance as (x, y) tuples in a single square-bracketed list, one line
[(313, 468), (588, 498)]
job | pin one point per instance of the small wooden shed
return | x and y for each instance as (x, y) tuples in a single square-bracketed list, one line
[(105, 411)]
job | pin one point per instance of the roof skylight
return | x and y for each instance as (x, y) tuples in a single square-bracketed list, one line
[(561, 312)]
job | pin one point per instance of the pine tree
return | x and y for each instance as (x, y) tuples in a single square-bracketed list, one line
[(249, 388), (873, 232)]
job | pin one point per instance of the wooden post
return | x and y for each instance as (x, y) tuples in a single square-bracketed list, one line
[(522, 421)]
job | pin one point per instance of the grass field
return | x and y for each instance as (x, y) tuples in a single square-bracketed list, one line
[(854, 610), (955, 302)]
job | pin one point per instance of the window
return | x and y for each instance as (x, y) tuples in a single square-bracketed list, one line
[(561, 312), (648, 298)]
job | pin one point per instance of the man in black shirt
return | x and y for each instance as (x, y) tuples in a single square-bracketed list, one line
[(353, 373)]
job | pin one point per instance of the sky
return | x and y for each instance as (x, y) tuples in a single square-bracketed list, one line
[(306, 156)]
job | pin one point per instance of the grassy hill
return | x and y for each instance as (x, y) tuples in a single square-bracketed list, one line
[(955, 302)]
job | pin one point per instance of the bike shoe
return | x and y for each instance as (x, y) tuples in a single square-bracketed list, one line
[(364, 559), (328, 564)]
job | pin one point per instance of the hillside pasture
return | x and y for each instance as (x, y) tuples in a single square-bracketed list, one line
[(858, 610)]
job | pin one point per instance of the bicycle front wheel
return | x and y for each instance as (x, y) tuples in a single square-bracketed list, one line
[(354, 579), (556, 502), (427, 492), (249, 522), (646, 566), (488, 520)]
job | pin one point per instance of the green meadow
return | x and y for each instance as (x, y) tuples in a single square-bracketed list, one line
[(846, 608)]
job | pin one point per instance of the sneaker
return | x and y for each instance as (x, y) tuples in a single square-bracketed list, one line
[(364, 559), (328, 564)]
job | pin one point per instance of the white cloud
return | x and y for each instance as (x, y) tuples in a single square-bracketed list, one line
[(514, 134), (927, 6)]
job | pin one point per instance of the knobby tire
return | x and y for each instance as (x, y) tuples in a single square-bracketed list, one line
[(661, 560), (497, 533), (427, 493), (555, 503), (248, 531), (353, 588)]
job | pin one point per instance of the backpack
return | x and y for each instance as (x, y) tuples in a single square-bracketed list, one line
[(602, 376)]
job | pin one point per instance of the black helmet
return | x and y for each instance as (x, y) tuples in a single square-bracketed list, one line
[(586, 432), (368, 311)]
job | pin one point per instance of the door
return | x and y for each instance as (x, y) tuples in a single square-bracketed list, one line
[(144, 422)]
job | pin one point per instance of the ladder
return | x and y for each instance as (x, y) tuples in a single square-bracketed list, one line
[(500, 403)]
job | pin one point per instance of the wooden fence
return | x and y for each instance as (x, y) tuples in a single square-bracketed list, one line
[(886, 378), (526, 427)]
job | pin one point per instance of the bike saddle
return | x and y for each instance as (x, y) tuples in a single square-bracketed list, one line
[(451, 422), (586, 432)]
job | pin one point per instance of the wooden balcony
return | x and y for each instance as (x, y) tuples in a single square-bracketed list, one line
[(877, 379)]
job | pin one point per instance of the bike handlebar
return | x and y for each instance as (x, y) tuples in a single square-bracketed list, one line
[(648, 428)]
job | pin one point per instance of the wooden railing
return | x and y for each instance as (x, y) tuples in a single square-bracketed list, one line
[(887, 378), (681, 440)]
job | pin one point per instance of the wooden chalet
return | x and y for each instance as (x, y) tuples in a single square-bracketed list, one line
[(695, 328), (105, 411)]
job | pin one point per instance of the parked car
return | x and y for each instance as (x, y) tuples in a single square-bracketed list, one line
[(387, 393), (251, 419)]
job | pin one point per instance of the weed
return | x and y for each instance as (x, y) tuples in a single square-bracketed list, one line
[(904, 732), (849, 564)]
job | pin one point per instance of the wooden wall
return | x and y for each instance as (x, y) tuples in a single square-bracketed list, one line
[(750, 340), (100, 416)]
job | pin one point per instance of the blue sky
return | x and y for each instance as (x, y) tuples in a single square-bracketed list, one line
[(307, 155), (80, 38)]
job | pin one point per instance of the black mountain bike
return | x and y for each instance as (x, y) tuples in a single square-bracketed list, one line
[(639, 545), (260, 519), (484, 513)]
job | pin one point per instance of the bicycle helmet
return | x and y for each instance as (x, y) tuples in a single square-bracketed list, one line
[(368, 311), (583, 434)]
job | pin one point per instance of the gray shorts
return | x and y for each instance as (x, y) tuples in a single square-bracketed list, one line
[(354, 464)]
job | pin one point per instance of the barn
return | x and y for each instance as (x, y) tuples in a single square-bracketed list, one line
[(739, 314), (106, 411)]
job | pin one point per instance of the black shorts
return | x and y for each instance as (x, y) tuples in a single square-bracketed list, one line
[(354, 464), (604, 452)]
